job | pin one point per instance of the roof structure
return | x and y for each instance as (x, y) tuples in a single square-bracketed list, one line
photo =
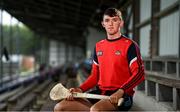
[(64, 20)]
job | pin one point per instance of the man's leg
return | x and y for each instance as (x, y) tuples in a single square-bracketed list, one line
[(103, 105), (107, 105), (77, 104)]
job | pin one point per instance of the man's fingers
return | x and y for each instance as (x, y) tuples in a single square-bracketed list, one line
[(71, 90), (114, 100), (70, 97)]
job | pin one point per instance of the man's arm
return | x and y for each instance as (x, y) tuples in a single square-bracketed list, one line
[(93, 78), (136, 68)]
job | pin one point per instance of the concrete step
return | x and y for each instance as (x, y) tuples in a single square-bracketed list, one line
[(143, 102)]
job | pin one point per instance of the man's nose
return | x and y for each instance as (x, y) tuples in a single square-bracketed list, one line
[(110, 22)]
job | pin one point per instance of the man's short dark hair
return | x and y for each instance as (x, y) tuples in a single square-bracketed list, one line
[(113, 12)]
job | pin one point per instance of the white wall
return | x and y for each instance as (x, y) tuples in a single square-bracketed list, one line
[(145, 13), (169, 35), (70, 53), (131, 18), (60, 52), (145, 9), (145, 40), (53, 53), (166, 3), (130, 27), (62, 56)]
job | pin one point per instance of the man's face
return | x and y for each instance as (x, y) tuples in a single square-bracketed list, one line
[(112, 25)]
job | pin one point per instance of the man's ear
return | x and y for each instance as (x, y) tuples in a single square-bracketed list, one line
[(121, 23), (102, 23)]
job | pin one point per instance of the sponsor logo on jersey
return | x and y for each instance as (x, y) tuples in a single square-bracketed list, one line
[(99, 53)]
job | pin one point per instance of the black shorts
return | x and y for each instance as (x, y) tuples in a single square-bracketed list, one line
[(126, 105)]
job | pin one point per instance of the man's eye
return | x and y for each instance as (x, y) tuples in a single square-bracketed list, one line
[(106, 20), (115, 19)]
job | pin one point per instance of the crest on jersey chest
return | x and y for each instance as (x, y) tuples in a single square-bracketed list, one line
[(118, 52)]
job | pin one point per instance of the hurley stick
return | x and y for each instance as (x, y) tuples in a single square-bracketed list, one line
[(59, 92)]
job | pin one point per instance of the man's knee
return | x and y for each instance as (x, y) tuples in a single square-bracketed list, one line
[(96, 108), (59, 107)]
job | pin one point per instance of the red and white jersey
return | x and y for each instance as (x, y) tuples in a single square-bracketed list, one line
[(116, 64)]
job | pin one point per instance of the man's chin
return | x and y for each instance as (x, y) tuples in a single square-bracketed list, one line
[(111, 33)]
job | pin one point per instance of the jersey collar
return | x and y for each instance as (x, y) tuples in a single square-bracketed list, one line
[(111, 40)]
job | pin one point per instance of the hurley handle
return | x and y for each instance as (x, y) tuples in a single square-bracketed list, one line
[(59, 92), (94, 96)]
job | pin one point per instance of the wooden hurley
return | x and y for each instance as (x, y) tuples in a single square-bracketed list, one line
[(59, 92)]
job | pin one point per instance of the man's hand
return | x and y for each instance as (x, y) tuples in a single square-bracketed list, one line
[(116, 96), (73, 90)]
